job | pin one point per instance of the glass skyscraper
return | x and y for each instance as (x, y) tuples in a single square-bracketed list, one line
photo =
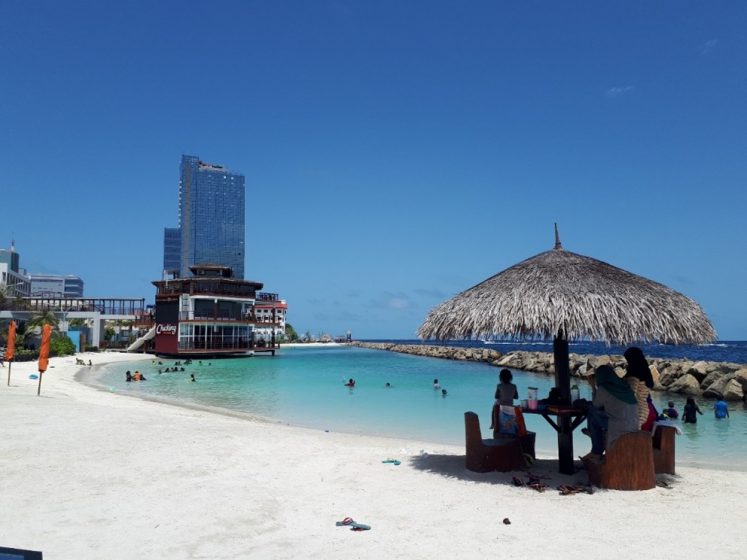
[(172, 250), (211, 218)]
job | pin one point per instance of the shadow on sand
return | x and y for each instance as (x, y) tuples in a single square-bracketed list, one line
[(452, 466)]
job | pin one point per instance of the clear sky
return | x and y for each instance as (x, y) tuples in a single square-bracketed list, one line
[(395, 153)]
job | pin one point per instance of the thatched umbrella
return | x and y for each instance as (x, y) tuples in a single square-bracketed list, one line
[(565, 296)]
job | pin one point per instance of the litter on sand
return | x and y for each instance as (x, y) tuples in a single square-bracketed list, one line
[(349, 522)]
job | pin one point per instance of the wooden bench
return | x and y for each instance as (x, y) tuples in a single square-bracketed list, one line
[(663, 442), (628, 464), (497, 454)]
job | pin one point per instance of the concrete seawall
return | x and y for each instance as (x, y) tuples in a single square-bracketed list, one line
[(686, 377)]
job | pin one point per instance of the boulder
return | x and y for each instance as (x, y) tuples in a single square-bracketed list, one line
[(595, 361), (699, 370), (711, 378), (733, 391), (655, 374), (718, 387), (741, 376), (686, 385), (669, 377)]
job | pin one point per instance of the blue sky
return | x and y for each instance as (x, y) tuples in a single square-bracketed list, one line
[(395, 153)]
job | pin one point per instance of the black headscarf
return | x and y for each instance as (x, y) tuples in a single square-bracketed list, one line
[(638, 366)]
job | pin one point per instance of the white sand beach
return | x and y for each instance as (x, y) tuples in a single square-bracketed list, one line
[(90, 474)]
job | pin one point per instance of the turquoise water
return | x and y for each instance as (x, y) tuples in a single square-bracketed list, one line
[(304, 387)]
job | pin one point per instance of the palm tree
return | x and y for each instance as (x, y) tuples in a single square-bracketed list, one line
[(45, 317)]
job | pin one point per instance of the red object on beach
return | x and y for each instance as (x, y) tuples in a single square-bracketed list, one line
[(10, 350), (44, 353)]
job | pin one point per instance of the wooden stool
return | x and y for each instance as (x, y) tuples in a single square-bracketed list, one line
[(483, 455), (628, 464), (663, 441)]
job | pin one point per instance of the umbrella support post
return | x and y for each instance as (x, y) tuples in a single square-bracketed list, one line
[(563, 383)]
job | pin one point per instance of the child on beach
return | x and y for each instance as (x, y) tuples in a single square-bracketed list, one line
[(505, 393)]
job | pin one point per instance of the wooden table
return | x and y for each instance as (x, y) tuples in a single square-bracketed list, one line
[(568, 420)]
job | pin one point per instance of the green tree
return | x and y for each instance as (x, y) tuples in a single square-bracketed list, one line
[(61, 345), (42, 318), (290, 333)]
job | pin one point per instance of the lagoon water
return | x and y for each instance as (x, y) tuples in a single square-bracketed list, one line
[(304, 387)]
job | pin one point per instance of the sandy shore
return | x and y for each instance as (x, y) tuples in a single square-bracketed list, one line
[(90, 474)]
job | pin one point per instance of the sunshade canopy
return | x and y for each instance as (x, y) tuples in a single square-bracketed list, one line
[(562, 292)]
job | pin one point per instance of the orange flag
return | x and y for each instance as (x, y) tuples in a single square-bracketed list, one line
[(44, 350), (10, 349)]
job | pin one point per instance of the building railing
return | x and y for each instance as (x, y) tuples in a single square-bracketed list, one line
[(210, 345), (105, 306), (245, 318)]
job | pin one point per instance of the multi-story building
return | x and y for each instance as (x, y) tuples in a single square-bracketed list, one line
[(13, 279), (208, 313), (211, 218), (270, 312), (172, 251), (50, 285)]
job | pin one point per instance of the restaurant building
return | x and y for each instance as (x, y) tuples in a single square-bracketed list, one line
[(208, 314)]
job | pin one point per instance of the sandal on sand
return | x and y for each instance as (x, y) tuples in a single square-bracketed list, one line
[(348, 522)]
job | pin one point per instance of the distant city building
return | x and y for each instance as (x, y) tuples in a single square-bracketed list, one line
[(211, 218), (13, 279), (172, 250), (270, 312), (49, 285)]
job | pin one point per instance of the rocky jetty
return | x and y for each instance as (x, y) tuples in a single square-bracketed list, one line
[(685, 377)]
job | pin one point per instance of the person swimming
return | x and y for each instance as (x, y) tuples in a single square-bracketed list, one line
[(444, 393), (192, 377), (350, 383), (436, 385)]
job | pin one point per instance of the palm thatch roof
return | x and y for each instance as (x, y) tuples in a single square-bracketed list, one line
[(583, 297)]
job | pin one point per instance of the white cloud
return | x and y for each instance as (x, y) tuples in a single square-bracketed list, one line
[(398, 303), (616, 91), (708, 46)]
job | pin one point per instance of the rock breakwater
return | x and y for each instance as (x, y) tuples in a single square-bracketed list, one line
[(685, 377)]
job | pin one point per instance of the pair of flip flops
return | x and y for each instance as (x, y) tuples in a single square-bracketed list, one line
[(533, 482), (349, 522), (394, 462)]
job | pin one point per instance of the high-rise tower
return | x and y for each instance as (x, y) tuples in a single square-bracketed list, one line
[(211, 218)]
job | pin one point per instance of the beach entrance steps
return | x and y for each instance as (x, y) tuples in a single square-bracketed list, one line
[(628, 464), (663, 441), (484, 455)]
